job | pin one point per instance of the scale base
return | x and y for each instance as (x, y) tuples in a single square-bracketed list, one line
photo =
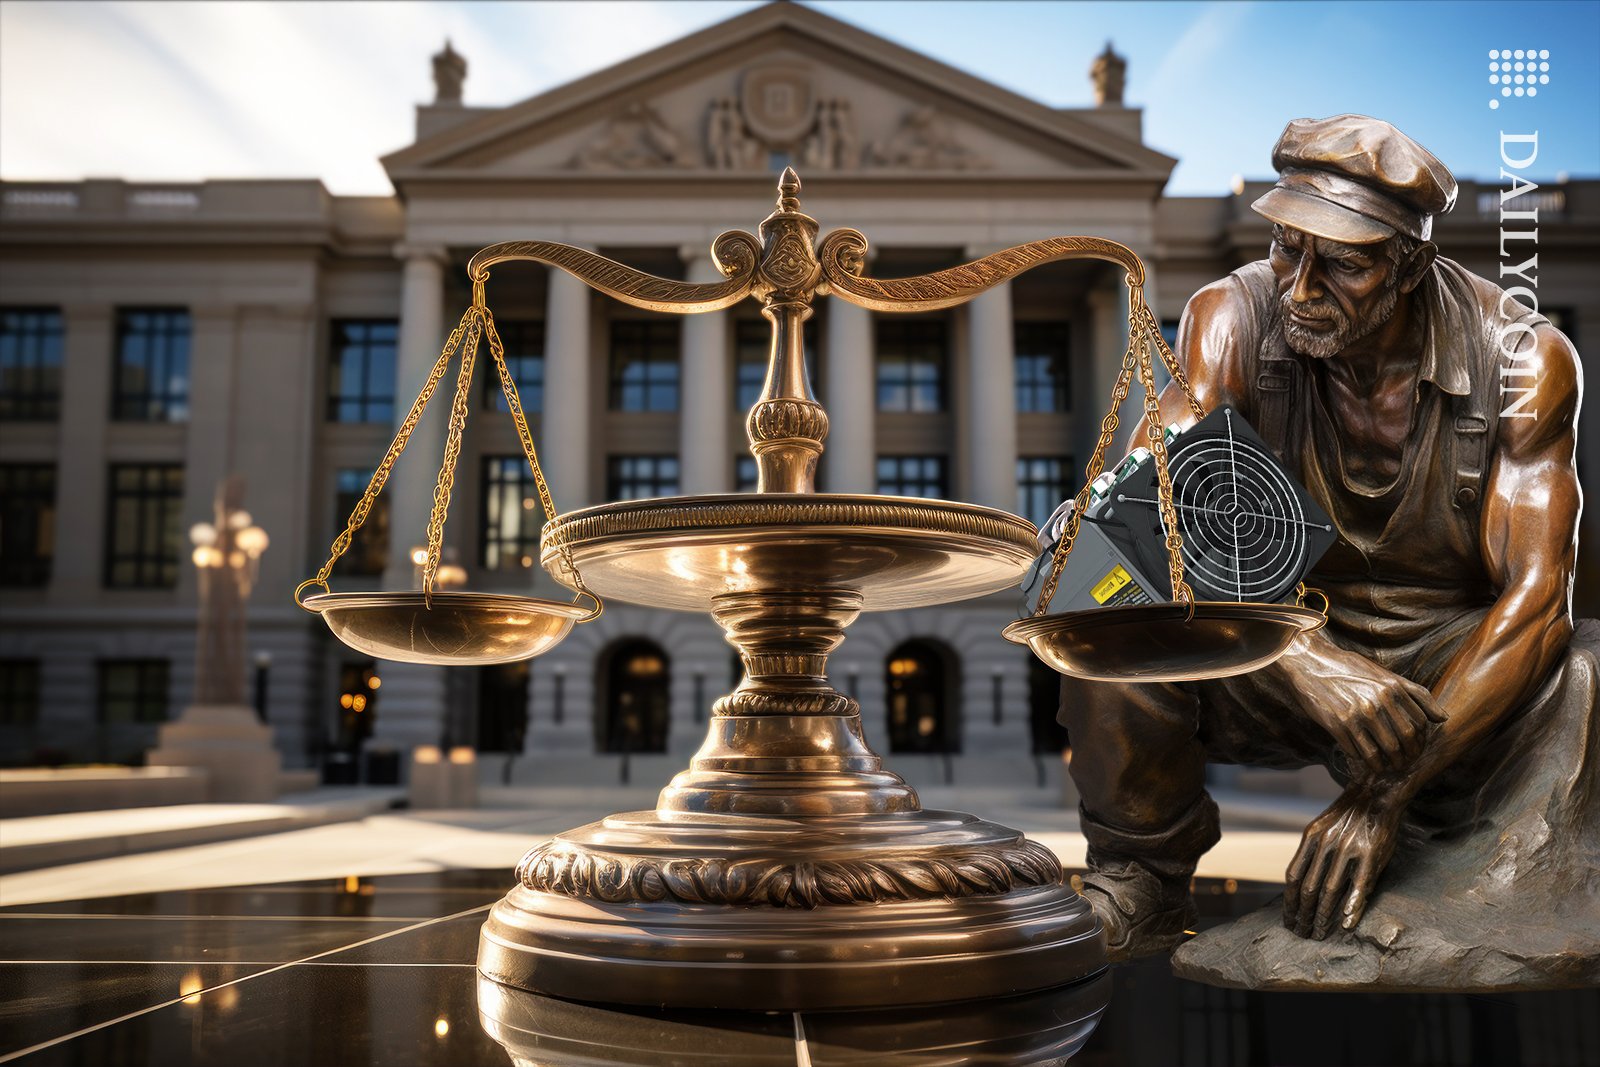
[(763, 912)]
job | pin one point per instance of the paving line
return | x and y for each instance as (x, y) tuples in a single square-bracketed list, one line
[(217, 918), (214, 963), (42, 1045)]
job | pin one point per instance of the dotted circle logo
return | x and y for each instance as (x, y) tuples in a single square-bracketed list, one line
[(1518, 72)]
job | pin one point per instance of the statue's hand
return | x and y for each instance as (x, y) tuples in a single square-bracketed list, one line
[(1378, 718), (1340, 857)]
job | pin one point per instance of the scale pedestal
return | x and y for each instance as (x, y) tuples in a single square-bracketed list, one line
[(786, 869)]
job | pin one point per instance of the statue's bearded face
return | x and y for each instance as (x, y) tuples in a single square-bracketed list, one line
[(1333, 294)]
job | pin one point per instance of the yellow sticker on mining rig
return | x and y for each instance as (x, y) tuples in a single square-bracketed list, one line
[(1111, 584)]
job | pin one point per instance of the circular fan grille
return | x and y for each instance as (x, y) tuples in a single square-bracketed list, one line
[(1244, 530)]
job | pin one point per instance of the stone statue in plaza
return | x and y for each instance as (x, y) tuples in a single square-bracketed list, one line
[(1451, 695)]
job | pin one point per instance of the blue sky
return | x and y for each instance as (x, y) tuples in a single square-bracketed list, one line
[(165, 91)]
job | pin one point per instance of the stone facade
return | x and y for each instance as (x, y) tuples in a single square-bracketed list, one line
[(646, 162)]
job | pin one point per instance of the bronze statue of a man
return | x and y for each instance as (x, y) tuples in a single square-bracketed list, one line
[(1446, 694)]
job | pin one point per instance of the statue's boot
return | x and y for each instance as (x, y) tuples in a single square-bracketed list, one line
[(1140, 770), (1138, 882)]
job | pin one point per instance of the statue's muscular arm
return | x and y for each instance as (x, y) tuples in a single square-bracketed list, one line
[(1529, 537), (1529, 543)]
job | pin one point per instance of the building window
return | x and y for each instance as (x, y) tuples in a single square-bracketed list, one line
[(912, 355), (511, 516), (133, 690), (1043, 370), (30, 364), (637, 477), (746, 474), (644, 365), (524, 345), (912, 476), (19, 692), (27, 523), (152, 376), (752, 350), (361, 370), (1043, 482), (369, 549), (142, 539)]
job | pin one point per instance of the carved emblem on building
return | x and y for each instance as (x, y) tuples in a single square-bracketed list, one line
[(777, 114), (779, 102)]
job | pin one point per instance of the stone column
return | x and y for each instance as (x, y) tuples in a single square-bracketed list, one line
[(565, 446), (210, 450), (850, 459), (413, 707), (422, 334), (704, 450), (991, 433), (86, 360), (1108, 313)]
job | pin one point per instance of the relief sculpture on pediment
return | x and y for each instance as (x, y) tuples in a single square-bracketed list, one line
[(924, 141), (778, 113), (634, 139), (729, 144), (834, 143)]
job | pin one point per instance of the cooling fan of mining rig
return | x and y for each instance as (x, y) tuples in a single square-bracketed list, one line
[(1250, 534)]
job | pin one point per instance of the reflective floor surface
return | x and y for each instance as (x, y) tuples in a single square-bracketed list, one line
[(380, 971)]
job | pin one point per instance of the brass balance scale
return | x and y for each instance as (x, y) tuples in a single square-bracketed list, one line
[(786, 869)]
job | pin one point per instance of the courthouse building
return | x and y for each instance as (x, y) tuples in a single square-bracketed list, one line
[(155, 338)]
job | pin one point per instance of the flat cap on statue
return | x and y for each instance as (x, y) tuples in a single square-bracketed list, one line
[(1355, 179)]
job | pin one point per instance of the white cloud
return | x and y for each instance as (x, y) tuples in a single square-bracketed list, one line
[(165, 91)]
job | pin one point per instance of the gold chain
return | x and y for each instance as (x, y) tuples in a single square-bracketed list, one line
[(476, 324), (1108, 429), (1155, 433), (1171, 362), (1142, 327), (508, 386), (381, 475)]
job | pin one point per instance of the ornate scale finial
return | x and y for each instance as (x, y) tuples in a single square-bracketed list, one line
[(787, 426), (788, 190)]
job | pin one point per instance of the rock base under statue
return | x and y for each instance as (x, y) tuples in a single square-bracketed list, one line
[(1493, 888), (1398, 947), (230, 743)]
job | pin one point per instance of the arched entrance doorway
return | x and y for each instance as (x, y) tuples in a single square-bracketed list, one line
[(923, 681), (1044, 701), (503, 707), (635, 682)]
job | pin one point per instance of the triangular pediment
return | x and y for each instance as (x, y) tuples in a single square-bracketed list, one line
[(779, 84)]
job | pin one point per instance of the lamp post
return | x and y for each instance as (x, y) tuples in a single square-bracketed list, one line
[(227, 553)]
